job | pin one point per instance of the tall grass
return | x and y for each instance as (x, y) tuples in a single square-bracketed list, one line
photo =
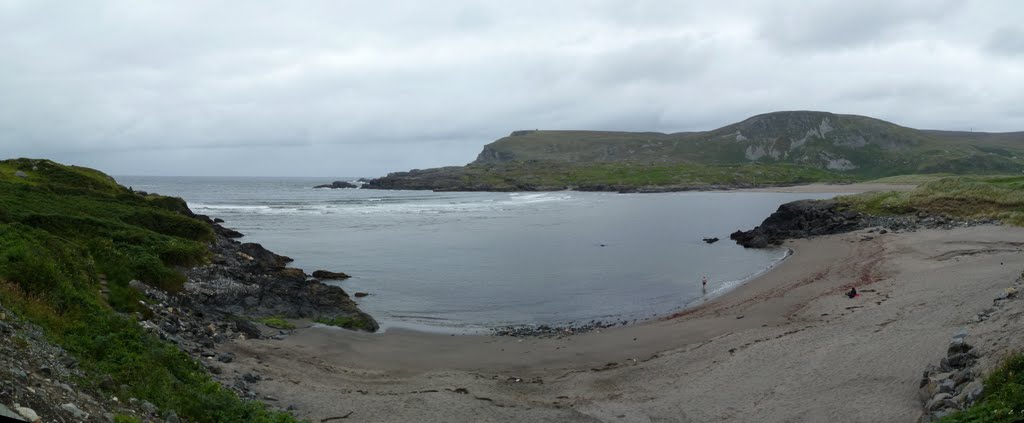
[(973, 197)]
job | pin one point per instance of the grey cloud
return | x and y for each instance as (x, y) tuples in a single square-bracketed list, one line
[(851, 24), (1007, 41), (323, 87)]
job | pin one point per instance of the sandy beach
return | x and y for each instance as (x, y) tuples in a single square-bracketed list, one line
[(787, 346)]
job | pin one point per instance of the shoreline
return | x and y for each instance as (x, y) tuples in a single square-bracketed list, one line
[(789, 329)]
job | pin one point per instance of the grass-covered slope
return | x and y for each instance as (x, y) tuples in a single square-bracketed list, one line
[(789, 147), (969, 197), (855, 145), (64, 229)]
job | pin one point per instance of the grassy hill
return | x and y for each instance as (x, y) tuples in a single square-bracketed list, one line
[(785, 147), (64, 232)]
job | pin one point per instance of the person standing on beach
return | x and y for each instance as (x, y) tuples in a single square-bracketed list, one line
[(704, 284)]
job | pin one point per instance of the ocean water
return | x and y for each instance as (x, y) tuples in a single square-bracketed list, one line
[(466, 262)]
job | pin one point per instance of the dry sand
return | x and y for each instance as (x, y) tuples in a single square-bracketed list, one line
[(787, 346)]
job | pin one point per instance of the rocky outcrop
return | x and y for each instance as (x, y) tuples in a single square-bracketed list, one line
[(325, 274), (338, 184), (800, 219), (249, 280), (807, 218)]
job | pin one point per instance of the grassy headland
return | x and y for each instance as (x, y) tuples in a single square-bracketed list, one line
[(771, 149), (66, 233)]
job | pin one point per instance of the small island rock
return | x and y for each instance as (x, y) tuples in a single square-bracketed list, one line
[(324, 274), (337, 184)]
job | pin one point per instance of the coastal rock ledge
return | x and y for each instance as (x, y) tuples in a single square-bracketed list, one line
[(800, 219)]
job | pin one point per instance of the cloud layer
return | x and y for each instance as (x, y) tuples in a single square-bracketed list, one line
[(365, 87)]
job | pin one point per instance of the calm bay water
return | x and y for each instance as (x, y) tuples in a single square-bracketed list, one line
[(463, 262)]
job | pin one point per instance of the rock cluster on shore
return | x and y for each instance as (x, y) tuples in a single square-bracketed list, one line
[(952, 385), (244, 281), (807, 218), (549, 331), (247, 279), (957, 382)]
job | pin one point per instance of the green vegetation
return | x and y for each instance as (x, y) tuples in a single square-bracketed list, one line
[(546, 175), (1003, 399), (347, 322), (973, 197), (64, 230), (277, 322), (914, 179)]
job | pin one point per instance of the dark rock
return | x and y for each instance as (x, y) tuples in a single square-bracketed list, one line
[(263, 257), (227, 233), (799, 219), (337, 184), (961, 360), (710, 240), (361, 294), (248, 328), (226, 357), (324, 274), (218, 220), (957, 346), (251, 378)]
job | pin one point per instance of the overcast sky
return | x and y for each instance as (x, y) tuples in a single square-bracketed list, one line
[(353, 88)]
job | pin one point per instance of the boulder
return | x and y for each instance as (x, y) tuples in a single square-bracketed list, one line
[(361, 294), (250, 330), (28, 414), (7, 413), (957, 346), (710, 240), (937, 402), (324, 274), (263, 257)]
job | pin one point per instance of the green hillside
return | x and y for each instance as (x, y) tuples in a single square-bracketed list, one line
[(824, 146), (64, 231)]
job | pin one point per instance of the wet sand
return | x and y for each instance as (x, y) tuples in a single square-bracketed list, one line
[(787, 346)]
